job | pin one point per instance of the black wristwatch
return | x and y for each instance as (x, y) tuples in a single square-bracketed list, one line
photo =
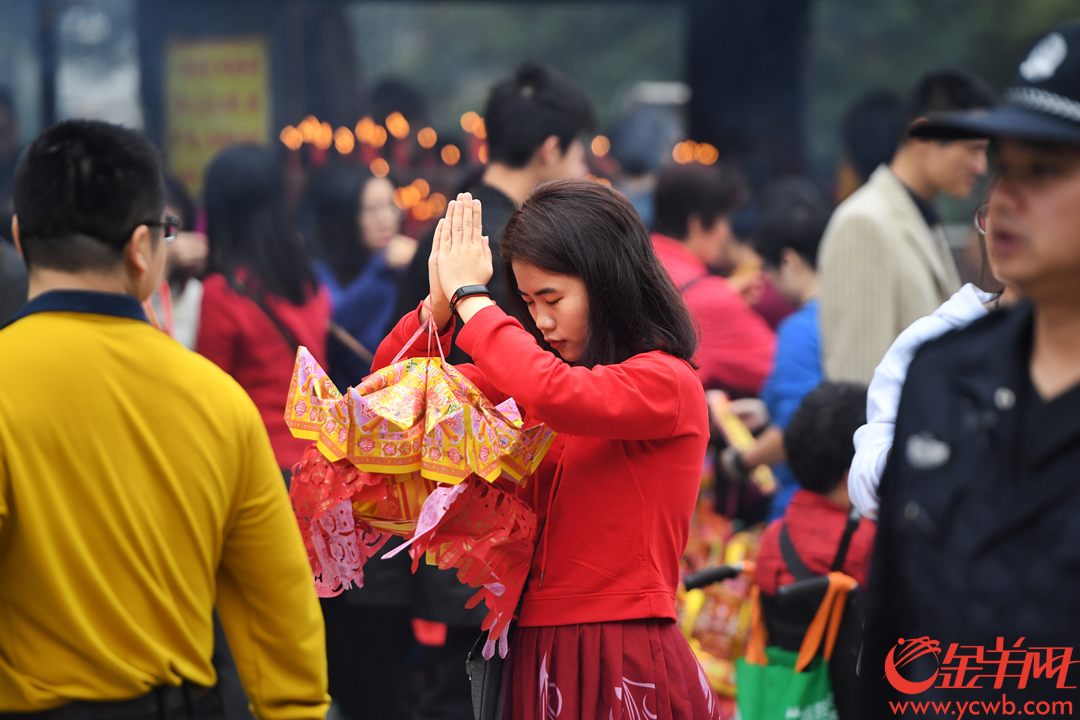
[(467, 291)]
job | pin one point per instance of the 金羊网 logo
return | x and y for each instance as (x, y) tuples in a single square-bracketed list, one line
[(910, 650), (975, 666)]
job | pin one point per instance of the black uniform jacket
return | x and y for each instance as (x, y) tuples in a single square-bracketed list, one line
[(979, 529)]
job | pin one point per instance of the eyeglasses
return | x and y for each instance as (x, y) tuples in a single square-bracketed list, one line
[(980, 218), (171, 224)]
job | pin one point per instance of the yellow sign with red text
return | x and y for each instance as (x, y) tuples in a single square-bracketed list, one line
[(217, 93)]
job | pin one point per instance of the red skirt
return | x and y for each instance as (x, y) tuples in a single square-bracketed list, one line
[(631, 670)]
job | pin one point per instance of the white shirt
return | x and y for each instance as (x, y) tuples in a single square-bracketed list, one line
[(874, 439)]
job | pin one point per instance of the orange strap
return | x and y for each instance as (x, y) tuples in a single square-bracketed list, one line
[(826, 624), (755, 648), (826, 621)]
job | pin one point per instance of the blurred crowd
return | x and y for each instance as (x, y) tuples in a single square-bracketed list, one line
[(791, 285)]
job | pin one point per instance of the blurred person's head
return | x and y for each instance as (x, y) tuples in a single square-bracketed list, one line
[(179, 202), (534, 122), (1034, 213), (187, 254), (9, 126), (392, 95), (870, 131), (582, 273), (90, 200), (819, 439), (355, 217), (694, 203), (251, 239), (951, 166), (642, 140), (1034, 205), (788, 235)]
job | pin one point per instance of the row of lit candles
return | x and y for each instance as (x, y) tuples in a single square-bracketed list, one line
[(322, 136)]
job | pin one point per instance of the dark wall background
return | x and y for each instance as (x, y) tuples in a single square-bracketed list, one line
[(745, 62)]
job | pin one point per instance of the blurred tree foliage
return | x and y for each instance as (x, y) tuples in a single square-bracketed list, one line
[(453, 51), (860, 45)]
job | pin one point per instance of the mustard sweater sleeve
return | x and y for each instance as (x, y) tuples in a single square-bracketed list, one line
[(266, 597)]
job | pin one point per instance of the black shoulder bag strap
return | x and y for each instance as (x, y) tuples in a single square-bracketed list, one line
[(845, 541), (795, 564), (286, 334)]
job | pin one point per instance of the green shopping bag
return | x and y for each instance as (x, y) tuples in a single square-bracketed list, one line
[(776, 684), (777, 692)]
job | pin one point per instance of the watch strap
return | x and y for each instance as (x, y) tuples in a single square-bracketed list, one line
[(467, 291)]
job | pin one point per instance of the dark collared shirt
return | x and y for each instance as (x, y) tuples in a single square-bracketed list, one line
[(926, 209)]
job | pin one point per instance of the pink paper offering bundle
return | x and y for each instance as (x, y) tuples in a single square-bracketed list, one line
[(414, 450)]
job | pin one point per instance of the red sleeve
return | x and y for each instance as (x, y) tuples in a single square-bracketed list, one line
[(405, 329), (736, 347), (217, 336), (640, 399)]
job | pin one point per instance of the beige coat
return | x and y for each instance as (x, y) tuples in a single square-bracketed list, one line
[(880, 268)]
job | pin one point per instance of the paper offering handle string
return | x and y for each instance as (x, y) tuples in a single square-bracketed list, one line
[(432, 331)]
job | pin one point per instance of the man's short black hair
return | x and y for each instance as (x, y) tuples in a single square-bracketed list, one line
[(943, 91), (707, 191), (526, 109), (819, 440), (81, 189), (794, 215)]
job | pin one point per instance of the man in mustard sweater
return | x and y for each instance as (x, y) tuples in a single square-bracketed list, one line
[(137, 485)]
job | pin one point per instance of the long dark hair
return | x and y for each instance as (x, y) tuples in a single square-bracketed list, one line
[(335, 200), (584, 229), (248, 228)]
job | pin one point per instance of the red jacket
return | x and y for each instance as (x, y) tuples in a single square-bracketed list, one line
[(736, 347), (815, 525), (631, 445), (240, 339)]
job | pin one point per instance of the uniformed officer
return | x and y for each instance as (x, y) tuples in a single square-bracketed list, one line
[(976, 578)]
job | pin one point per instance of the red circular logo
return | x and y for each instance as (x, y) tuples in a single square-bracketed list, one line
[(915, 648)]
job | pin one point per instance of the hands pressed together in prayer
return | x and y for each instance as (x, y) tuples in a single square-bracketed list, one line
[(460, 256)]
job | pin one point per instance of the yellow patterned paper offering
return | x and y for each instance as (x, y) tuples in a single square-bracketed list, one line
[(420, 414)]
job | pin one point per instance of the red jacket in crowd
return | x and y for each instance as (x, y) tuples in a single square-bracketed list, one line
[(238, 337), (630, 447), (815, 525), (736, 346)]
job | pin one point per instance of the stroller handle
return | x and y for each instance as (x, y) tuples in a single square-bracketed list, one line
[(708, 576)]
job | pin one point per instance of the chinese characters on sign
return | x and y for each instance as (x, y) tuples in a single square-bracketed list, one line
[(217, 94)]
